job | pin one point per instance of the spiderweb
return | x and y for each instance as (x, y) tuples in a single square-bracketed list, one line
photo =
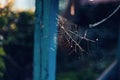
[(71, 36)]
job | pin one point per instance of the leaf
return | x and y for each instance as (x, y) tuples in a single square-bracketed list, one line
[(2, 52)]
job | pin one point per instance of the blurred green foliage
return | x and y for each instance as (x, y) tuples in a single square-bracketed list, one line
[(16, 51), (88, 72), (2, 64), (2, 52)]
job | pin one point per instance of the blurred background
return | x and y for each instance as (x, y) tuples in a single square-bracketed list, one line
[(73, 64), (17, 39)]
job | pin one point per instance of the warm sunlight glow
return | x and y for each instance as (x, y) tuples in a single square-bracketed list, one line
[(18, 5), (91, 0), (1, 6), (72, 10), (13, 26), (10, 1), (2, 2)]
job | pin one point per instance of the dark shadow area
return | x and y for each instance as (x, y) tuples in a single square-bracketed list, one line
[(16, 30), (91, 63)]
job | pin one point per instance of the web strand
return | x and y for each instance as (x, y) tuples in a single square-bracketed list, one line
[(70, 32), (103, 20)]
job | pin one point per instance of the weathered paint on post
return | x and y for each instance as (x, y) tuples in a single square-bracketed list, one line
[(37, 40), (53, 37), (45, 40)]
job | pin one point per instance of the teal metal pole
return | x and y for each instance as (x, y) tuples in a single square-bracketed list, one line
[(53, 37), (45, 40), (37, 41)]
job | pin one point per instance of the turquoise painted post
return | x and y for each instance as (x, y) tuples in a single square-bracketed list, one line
[(37, 40), (45, 40), (53, 37)]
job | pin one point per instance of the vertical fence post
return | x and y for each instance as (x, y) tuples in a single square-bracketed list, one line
[(53, 37), (45, 40)]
